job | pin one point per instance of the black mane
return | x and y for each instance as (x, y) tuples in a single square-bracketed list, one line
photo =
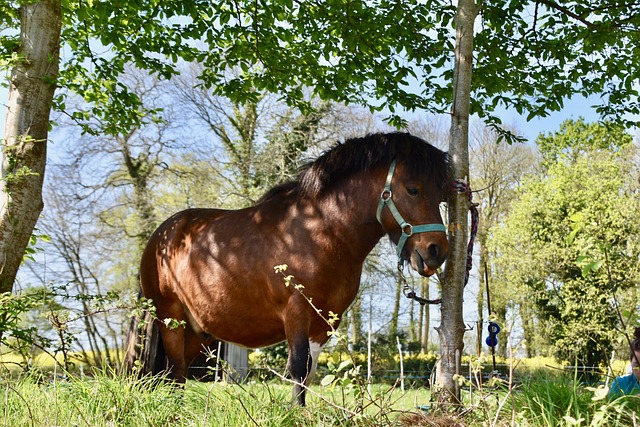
[(359, 155)]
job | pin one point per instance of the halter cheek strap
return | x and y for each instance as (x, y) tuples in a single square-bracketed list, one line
[(407, 229)]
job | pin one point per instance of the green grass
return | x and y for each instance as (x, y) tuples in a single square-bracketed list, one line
[(553, 402), (108, 400)]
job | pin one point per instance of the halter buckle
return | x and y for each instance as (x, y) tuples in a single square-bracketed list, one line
[(406, 225)]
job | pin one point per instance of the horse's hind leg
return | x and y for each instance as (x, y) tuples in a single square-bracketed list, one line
[(173, 340), (182, 345)]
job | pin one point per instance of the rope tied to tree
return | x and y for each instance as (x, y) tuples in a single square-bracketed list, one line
[(464, 188)]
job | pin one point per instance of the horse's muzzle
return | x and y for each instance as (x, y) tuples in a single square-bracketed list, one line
[(426, 262)]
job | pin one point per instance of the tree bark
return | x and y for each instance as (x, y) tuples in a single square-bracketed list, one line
[(393, 324), (425, 313), (24, 148), (451, 329), (355, 314), (144, 352)]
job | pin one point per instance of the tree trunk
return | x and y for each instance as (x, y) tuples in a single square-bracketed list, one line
[(425, 311), (482, 288), (528, 330), (355, 313), (24, 148), (451, 329), (144, 352), (503, 336), (393, 325), (413, 334)]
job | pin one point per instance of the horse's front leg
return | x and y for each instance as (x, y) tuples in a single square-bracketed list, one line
[(297, 322), (299, 364)]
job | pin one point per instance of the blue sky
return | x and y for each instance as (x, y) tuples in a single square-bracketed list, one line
[(574, 108)]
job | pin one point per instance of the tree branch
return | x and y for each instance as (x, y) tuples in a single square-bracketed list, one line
[(568, 12)]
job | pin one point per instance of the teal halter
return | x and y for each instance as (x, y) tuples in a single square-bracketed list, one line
[(408, 230)]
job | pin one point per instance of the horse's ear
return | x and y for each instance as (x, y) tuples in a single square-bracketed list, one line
[(636, 333)]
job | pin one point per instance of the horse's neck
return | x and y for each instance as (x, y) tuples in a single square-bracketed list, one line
[(349, 213)]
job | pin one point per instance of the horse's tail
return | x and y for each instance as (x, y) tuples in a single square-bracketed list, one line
[(144, 352)]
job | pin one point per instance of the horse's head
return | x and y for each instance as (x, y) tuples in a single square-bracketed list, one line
[(409, 211)]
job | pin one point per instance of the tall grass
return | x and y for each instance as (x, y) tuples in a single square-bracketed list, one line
[(105, 400), (108, 400), (552, 401), (111, 400), (564, 401), (622, 412)]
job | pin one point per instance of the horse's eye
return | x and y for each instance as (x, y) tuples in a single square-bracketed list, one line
[(412, 191)]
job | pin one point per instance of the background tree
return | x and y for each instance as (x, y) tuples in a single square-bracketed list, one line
[(36, 33), (264, 142), (571, 239), (497, 170), (119, 169), (77, 275), (35, 54)]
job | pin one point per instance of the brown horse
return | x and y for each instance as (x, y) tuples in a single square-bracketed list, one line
[(213, 269)]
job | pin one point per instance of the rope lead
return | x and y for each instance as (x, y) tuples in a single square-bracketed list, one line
[(464, 188)]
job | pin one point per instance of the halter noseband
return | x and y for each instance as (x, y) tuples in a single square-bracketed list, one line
[(408, 230)]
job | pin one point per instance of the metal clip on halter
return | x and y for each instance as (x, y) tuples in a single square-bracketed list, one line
[(410, 293)]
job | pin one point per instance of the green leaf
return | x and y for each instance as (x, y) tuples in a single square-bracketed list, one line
[(327, 380), (345, 382), (577, 217), (581, 259), (344, 364)]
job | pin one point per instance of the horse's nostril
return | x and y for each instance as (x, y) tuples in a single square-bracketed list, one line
[(434, 251)]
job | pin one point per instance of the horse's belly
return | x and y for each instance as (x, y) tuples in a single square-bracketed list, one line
[(253, 341), (251, 335), (250, 325), (249, 304)]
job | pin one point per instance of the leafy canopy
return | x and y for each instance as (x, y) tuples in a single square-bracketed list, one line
[(531, 56)]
